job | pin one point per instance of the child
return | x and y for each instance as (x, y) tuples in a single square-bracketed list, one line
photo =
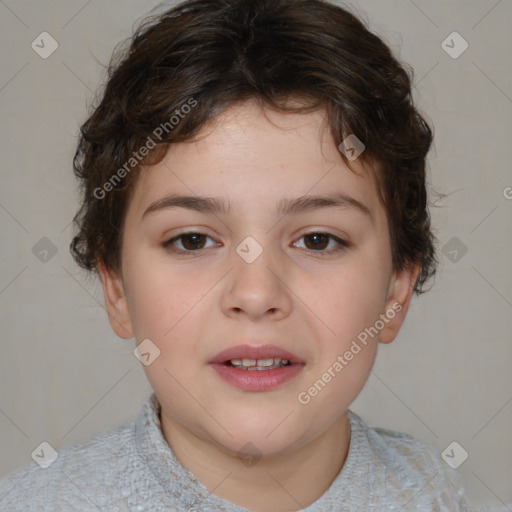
[(254, 204)]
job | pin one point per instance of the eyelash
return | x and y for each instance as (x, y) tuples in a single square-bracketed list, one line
[(342, 244)]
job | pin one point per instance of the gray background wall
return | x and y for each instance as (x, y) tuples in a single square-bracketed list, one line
[(65, 376)]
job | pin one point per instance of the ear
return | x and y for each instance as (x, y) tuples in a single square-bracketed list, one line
[(115, 302), (400, 292)]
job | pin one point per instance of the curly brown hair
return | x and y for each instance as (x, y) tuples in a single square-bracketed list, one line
[(221, 52)]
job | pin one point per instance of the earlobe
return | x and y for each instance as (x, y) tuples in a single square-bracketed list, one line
[(399, 297), (115, 302)]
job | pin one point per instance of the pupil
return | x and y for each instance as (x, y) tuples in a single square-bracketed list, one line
[(194, 238), (316, 236)]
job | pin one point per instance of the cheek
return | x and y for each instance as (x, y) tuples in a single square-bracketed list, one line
[(158, 297), (349, 299)]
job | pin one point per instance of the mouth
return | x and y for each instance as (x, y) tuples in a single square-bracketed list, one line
[(260, 368)]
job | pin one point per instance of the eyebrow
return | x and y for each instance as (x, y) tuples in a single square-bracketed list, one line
[(286, 206)]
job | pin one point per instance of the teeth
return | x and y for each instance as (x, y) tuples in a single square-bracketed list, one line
[(269, 363)]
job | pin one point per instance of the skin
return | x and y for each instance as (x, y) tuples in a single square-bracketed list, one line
[(194, 305)]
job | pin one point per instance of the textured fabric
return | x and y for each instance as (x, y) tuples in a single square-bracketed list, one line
[(131, 468)]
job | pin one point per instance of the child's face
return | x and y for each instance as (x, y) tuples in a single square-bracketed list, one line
[(194, 305)]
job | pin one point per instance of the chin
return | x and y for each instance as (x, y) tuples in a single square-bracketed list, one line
[(264, 440)]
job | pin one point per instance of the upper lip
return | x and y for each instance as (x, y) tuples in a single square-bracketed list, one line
[(254, 352)]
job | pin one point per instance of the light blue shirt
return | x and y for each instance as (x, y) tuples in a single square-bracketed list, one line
[(132, 468)]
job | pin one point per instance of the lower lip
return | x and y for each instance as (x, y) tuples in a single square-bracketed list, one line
[(256, 380)]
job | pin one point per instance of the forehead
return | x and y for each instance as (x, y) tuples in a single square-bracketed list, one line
[(254, 158)]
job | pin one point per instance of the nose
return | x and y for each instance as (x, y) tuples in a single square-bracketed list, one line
[(259, 289)]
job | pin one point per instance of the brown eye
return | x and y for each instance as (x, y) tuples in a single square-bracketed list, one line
[(190, 242), (318, 242)]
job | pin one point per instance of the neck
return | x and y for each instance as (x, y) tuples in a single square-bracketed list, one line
[(286, 482)]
